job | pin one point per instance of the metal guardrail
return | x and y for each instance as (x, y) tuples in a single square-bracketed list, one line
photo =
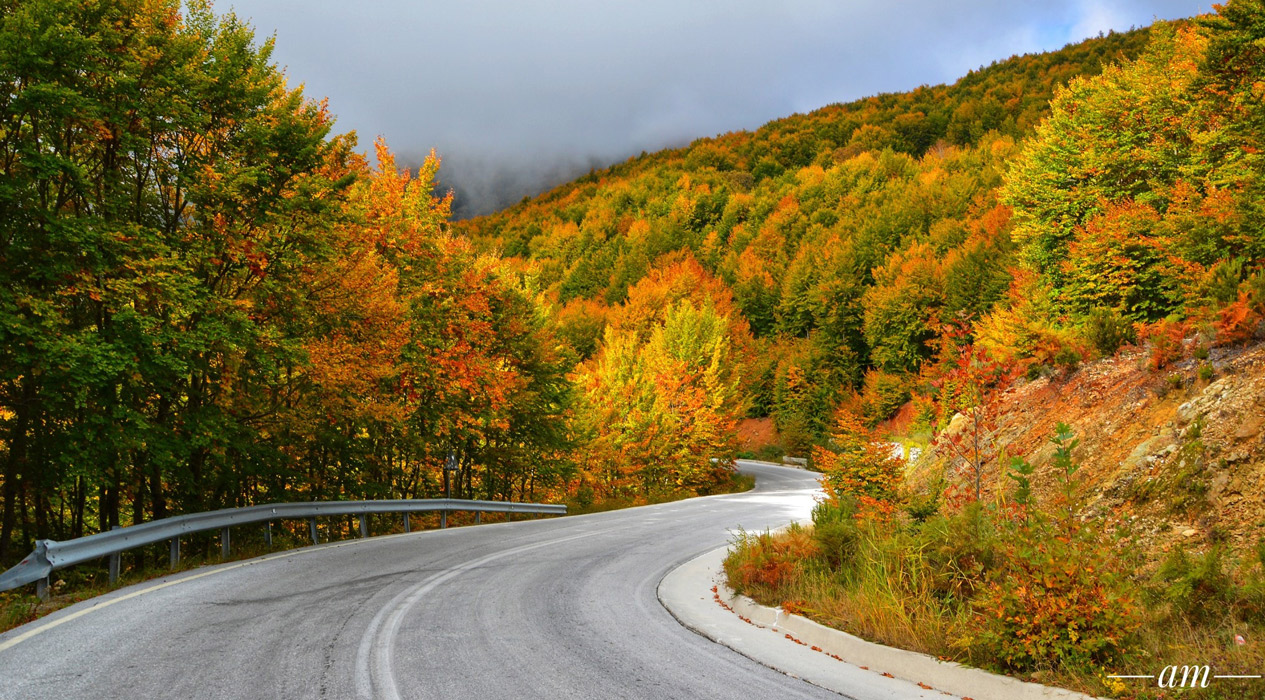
[(50, 555)]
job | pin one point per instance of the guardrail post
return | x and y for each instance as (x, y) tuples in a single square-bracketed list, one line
[(268, 535), (174, 555), (114, 564), (478, 517), (443, 518), (224, 543), (41, 588), (311, 526), (364, 525), (407, 526)]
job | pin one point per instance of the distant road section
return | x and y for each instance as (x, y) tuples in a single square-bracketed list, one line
[(557, 608)]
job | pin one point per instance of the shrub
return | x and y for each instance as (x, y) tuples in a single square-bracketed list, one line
[(1107, 330), (1056, 602), (1057, 347), (1255, 287), (584, 497), (1037, 371), (834, 510), (17, 608), (1166, 338), (1237, 322), (1203, 588), (924, 410), (766, 561), (1221, 284), (1067, 359), (922, 507), (855, 466), (770, 453), (1057, 596), (1197, 586), (883, 394), (958, 551), (796, 436), (835, 532)]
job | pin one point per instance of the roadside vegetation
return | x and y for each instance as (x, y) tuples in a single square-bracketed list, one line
[(1133, 292), (586, 500), (1040, 591)]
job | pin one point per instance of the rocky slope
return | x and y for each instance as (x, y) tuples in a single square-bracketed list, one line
[(1171, 455)]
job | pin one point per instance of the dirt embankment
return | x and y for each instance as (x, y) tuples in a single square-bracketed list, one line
[(1168, 455), (755, 433)]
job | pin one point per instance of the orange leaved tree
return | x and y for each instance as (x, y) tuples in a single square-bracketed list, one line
[(855, 465)]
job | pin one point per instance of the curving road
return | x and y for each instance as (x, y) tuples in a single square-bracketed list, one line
[(557, 608)]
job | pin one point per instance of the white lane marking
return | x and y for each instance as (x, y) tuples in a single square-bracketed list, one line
[(107, 603), (375, 673)]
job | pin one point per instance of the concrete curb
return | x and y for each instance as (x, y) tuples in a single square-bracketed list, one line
[(683, 588)]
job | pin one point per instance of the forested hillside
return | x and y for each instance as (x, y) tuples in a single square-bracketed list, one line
[(898, 257), (1069, 522), (847, 239), (209, 298)]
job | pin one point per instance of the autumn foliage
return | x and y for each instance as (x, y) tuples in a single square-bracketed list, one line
[(856, 467), (207, 307), (213, 300), (664, 393)]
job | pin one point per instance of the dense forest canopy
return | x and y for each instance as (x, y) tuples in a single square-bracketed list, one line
[(211, 299), (1048, 206), (844, 237)]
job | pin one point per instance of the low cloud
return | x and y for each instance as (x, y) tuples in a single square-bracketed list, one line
[(518, 97)]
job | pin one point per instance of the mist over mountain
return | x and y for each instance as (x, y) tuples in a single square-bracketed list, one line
[(518, 97), (482, 185)]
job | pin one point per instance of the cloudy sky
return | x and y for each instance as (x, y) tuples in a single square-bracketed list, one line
[(518, 95)]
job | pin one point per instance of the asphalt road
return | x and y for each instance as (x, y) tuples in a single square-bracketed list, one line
[(551, 608)]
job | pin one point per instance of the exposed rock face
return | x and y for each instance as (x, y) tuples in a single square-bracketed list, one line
[(1165, 454)]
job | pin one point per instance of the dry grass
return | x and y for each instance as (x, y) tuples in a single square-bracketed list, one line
[(887, 595), (872, 600)]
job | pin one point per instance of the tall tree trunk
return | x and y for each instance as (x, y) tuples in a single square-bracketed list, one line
[(108, 509), (103, 507), (18, 446), (24, 519), (9, 517), (157, 497), (138, 508), (194, 497), (81, 502)]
